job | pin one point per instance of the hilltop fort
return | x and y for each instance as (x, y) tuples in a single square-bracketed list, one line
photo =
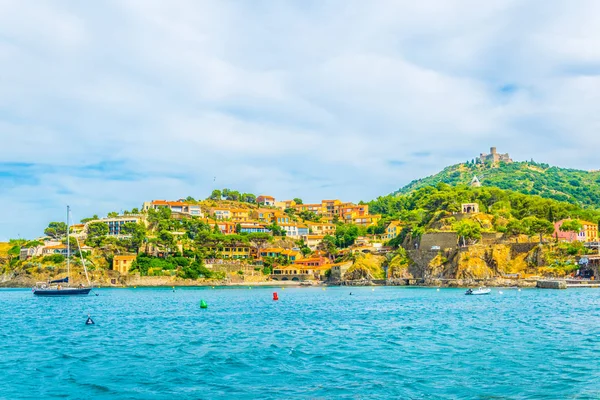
[(494, 157)]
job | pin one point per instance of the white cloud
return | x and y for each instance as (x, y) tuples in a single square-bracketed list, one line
[(105, 105)]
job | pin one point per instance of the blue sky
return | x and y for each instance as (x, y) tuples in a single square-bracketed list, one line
[(104, 105)]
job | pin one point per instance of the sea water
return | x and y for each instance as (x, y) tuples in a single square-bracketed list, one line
[(410, 343)]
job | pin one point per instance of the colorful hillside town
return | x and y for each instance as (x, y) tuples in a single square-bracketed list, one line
[(232, 237), (287, 240)]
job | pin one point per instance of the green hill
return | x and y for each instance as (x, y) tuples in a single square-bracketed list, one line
[(569, 185)]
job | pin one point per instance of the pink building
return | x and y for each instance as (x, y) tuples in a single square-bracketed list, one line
[(564, 236)]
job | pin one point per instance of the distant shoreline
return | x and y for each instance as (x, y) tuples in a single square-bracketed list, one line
[(493, 283)]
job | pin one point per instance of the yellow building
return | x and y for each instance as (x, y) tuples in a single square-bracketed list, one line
[(239, 215), (235, 252), (312, 241), (321, 228), (366, 220), (291, 255), (314, 208), (331, 208), (296, 272), (589, 231), (123, 263), (265, 215), (393, 230), (220, 212), (269, 216), (285, 204)]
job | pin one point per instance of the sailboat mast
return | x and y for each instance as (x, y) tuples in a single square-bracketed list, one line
[(68, 245)]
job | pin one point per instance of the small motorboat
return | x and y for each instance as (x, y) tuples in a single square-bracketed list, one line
[(478, 292)]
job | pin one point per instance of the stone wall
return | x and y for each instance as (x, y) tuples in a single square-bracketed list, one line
[(445, 240), (551, 284), (233, 267), (488, 238)]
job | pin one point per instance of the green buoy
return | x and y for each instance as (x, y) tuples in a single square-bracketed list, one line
[(203, 304)]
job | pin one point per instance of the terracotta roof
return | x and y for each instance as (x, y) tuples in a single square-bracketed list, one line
[(168, 203), (273, 249)]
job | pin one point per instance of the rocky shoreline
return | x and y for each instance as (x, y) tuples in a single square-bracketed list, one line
[(16, 284)]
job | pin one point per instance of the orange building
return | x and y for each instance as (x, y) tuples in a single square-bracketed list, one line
[(123, 263)]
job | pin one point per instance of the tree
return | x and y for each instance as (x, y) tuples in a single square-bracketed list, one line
[(346, 235), (165, 241), (468, 230), (233, 195), (56, 230), (571, 225), (136, 233), (259, 240), (276, 229), (535, 225), (238, 228), (305, 250), (515, 227), (328, 245), (215, 195), (249, 198), (86, 220), (160, 218), (297, 200), (309, 216), (96, 233), (112, 214), (196, 270)]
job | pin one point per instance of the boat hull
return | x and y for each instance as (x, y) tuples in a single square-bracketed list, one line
[(62, 292)]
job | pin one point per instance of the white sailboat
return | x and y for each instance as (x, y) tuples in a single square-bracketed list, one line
[(60, 287)]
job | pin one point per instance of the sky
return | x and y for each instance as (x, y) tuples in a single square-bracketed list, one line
[(104, 105)]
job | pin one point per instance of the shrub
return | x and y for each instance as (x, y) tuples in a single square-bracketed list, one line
[(54, 259)]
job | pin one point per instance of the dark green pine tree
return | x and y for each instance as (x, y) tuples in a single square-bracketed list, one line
[(550, 214)]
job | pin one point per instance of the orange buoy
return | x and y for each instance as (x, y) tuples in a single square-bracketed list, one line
[(275, 297)]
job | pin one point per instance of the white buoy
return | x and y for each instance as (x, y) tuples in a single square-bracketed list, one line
[(519, 289), (438, 289), (500, 292)]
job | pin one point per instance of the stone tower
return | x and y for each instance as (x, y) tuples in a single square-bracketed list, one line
[(494, 157)]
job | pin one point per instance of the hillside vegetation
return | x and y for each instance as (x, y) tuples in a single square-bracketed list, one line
[(569, 185), (435, 208)]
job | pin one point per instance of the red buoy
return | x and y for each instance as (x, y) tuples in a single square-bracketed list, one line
[(275, 296)]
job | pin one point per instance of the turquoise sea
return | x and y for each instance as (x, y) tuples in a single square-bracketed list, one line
[(406, 343)]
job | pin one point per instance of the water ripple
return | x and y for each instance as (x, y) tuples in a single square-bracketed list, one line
[(391, 343)]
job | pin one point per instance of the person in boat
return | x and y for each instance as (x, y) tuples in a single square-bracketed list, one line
[(470, 291)]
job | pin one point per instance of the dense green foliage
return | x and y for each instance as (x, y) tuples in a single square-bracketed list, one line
[(233, 195), (514, 213), (570, 185), (189, 269), (56, 230), (97, 231)]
